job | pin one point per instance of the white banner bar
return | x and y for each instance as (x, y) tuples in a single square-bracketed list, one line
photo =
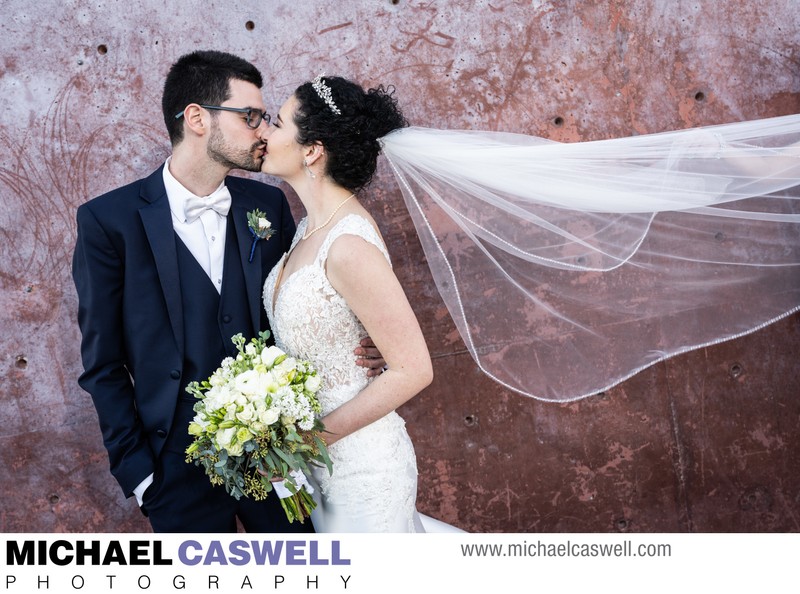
[(196, 563)]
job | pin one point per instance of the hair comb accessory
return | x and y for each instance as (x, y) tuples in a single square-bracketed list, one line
[(324, 92)]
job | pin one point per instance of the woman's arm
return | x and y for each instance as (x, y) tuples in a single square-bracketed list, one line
[(364, 278)]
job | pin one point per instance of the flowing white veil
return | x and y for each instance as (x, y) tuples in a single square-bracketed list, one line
[(568, 268)]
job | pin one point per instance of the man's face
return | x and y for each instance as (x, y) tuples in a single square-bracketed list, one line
[(231, 142)]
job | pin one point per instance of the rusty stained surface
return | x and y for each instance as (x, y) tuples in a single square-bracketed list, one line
[(707, 441)]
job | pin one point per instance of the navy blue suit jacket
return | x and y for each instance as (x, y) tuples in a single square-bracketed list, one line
[(125, 270)]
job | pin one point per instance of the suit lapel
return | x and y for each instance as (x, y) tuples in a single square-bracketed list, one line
[(157, 221), (252, 270)]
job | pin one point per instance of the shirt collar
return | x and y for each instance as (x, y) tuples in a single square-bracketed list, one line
[(177, 193)]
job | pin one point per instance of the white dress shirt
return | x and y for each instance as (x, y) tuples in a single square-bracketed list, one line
[(205, 237)]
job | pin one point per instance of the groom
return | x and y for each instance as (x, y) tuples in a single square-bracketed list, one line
[(166, 272)]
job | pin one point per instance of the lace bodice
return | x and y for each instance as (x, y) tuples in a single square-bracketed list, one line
[(312, 321)]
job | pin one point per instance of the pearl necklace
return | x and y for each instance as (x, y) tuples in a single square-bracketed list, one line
[(330, 218)]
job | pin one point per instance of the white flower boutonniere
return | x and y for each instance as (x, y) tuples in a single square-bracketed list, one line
[(260, 228)]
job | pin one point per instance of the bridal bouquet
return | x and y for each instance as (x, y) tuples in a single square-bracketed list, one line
[(257, 411)]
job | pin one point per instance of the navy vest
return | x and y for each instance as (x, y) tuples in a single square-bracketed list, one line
[(210, 319)]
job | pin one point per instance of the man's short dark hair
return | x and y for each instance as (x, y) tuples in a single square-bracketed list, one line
[(202, 77)]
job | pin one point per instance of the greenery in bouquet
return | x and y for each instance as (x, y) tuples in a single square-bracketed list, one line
[(259, 412)]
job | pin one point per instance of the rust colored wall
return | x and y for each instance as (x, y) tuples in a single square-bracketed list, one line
[(704, 442)]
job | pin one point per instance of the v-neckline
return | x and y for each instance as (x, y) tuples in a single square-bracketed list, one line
[(278, 284), (279, 287)]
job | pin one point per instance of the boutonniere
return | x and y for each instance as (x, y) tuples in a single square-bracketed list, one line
[(260, 228)]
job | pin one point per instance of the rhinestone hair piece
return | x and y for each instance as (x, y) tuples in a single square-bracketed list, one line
[(324, 92)]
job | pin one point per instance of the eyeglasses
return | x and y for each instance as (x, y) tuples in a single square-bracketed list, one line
[(254, 116)]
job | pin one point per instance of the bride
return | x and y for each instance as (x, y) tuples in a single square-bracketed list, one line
[(607, 257), (335, 286)]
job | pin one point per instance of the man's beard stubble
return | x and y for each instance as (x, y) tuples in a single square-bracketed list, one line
[(221, 152)]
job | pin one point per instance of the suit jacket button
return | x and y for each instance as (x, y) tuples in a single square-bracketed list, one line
[(175, 374), (226, 319), (161, 433)]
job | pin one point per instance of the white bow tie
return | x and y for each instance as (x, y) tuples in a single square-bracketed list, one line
[(219, 201)]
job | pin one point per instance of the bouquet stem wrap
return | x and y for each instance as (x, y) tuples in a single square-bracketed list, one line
[(295, 496)]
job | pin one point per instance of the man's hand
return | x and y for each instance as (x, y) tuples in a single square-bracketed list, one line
[(370, 357)]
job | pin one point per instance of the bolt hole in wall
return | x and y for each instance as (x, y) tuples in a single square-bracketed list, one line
[(699, 96), (102, 49), (249, 25), (471, 420), (22, 362), (558, 121), (736, 370)]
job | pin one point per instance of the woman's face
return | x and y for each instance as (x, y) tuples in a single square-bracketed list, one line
[(284, 155)]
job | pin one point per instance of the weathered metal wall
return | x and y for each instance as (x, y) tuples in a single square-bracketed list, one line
[(704, 442)]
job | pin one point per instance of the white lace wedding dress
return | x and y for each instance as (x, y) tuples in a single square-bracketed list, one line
[(373, 486)]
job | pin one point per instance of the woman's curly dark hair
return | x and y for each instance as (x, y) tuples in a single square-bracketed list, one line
[(350, 137)]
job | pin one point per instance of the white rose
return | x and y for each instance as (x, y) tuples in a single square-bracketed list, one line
[(224, 438), (269, 354), (269, 416), (313, 382), (247, 414), (284, 371), (264, 224)]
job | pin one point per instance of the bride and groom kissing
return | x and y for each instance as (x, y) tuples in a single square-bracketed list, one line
[(166, 273)]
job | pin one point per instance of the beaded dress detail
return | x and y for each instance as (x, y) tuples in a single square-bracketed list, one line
[(374, 481)]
